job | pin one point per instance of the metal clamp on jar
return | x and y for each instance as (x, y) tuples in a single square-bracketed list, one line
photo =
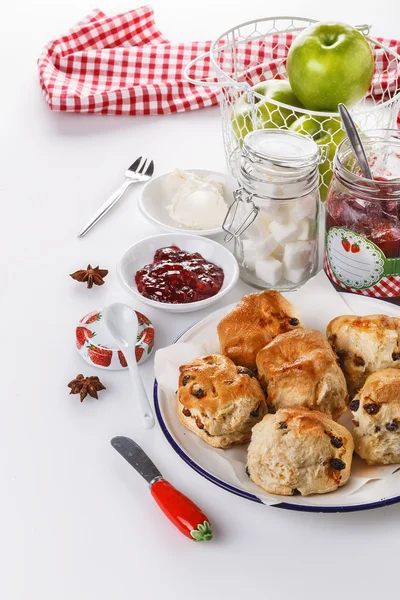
[(274, 217)]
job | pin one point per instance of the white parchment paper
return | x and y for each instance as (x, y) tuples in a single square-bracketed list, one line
[(319, 303)]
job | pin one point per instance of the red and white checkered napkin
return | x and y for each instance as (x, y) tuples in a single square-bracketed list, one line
[(124, 65), (121, 65)]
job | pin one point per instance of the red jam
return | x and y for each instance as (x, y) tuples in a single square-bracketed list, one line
[(377, 220), (178, 277), (362, 239)]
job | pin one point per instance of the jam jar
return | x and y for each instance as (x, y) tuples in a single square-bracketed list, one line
[(274, 217), (362, 242)]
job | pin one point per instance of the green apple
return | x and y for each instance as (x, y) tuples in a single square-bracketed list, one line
[(266, 114), (329, 63), (326, 132)]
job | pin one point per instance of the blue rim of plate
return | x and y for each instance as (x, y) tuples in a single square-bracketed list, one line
[(237, 491)]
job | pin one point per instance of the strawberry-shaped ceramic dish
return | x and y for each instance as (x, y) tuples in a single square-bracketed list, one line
[(97, 348)]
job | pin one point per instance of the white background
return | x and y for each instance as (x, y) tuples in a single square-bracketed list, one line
[(76, 522)]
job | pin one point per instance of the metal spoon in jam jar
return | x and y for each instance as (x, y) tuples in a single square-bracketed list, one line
[(355, 141)]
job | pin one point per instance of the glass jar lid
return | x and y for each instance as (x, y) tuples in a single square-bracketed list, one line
[(282, 148), (278, 164)]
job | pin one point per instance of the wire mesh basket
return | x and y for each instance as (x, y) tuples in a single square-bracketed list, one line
[(255, 52)]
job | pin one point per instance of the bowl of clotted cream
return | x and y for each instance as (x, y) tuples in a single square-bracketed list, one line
[(190, 201)]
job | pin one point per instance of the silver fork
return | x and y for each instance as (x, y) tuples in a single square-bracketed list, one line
[(140, 170)]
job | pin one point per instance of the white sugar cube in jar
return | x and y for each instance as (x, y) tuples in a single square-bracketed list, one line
[(274, 219)]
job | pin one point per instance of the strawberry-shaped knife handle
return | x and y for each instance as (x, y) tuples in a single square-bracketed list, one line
[(181, 511)]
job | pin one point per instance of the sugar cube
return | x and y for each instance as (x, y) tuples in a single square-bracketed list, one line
[(284, 233), (256, 231), (268, 245), (275, 211), (269, 270), (302, 208), (250, 254), (294, 275), (297, 254), (278, 252), (265, 220), (253, 251), (306, 229)]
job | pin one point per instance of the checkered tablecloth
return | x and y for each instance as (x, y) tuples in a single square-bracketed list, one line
[(124, 65)]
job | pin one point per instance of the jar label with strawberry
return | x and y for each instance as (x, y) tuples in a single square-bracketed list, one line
[(362, 218), (357, 264)]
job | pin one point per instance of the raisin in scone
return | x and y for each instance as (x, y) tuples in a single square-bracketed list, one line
[(376, 411), (253, 323), (219, 401), (364, 345), (298, 451), (299, 368)]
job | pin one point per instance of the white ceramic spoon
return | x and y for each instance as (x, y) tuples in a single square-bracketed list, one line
[(122, 323)]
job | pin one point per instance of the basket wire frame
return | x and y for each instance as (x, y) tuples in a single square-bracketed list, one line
[(256, 51)]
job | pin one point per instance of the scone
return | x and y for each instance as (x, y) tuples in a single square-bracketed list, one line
[(364, 345), (299, 451), (219, 401), (254, 322), (299, 368), (376, 411)]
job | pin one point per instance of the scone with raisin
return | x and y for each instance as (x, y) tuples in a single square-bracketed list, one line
[(299, 368), (376, 411), (299, 451), (364, 345), (253, 323), (219, 401)]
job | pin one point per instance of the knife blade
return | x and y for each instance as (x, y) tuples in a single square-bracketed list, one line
[(178, 508), (137, 458)]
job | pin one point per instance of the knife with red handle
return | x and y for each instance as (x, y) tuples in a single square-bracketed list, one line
[(182, 512)]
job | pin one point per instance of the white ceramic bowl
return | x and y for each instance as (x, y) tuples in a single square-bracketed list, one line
[(142, 253), (154, 200)]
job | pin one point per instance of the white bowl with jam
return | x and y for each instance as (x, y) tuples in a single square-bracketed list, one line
[(178, 272)]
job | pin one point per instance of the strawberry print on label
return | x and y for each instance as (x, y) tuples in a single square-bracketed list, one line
[(355, 261)]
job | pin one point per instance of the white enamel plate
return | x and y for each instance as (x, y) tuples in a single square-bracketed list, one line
[(210, 463)]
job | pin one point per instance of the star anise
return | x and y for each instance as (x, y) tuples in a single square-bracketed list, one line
[(85, 385), (91, 275)]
